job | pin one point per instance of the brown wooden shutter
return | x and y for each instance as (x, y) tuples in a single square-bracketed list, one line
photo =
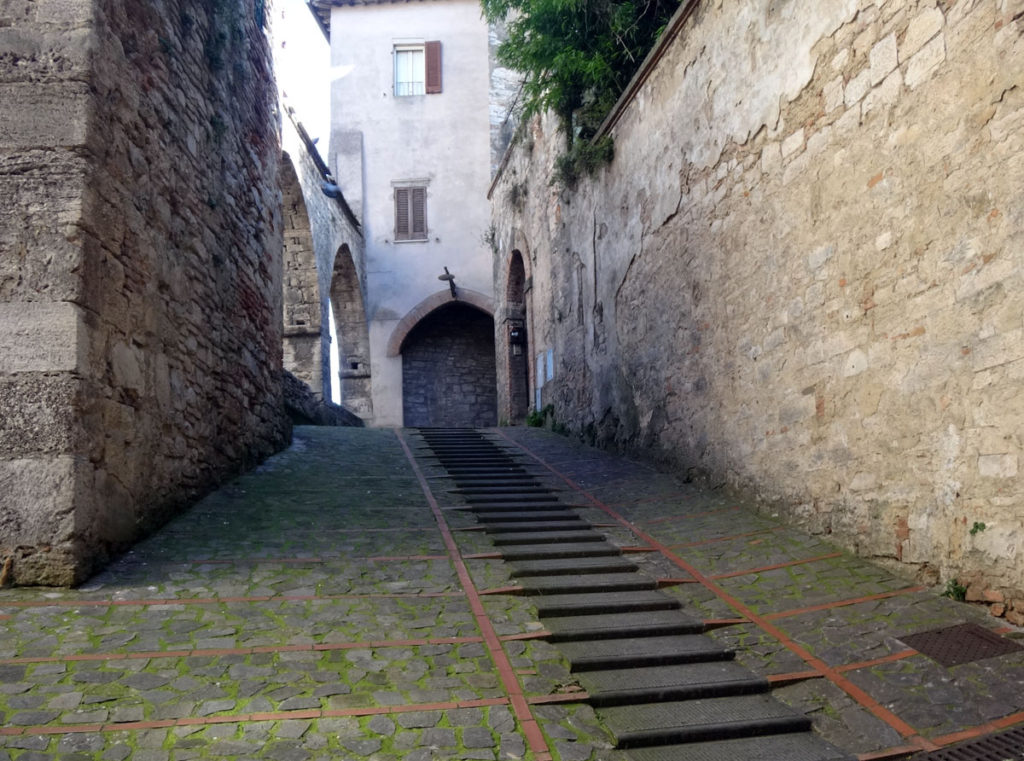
[(402, 213), (419, 213), (433, 66)]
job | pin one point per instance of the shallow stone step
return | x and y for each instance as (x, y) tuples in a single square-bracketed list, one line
[(474, 459), (476, 448), (621, 625), (461, 447), (562, 550), (603, 603), (513, 467), (527, 517), (643, 651), (511, 507), (542, 495), (568, 566), (586, 583), (800, 746), (514, 490), (705, 719), (654, 684), (485, 480), (540, 537), (523, 532)]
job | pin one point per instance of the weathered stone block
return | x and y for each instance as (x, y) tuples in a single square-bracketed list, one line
[(49, 115), (997, 465), (886, 94), (922, 28), (793, 143), (925, 62), (833, 94), (36, 501), (883, 58), (38, 414), (857, 87), (40, 336)]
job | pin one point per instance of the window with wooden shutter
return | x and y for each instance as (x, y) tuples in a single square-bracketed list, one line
[(433, 67), (410, 213), (418, 213)]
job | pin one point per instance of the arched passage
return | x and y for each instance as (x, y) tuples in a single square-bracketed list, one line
[(518, 354), (448, 368), (301, 296), (353, 335)]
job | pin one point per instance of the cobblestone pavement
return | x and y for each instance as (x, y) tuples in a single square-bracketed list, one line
[(325, 606)]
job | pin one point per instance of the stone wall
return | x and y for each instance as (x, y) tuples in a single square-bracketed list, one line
[(801, 275), (140, 270), (448, 369)]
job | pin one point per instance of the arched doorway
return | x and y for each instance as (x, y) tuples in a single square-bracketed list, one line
[(301, 297), (353, 336), (518, 353), (448, 369)]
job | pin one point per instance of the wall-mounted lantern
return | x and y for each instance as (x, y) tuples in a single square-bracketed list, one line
[(517, 339)]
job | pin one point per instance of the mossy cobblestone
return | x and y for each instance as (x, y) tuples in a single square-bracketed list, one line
[(309, 611)]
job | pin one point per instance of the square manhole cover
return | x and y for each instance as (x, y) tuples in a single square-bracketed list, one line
[(963, 643)]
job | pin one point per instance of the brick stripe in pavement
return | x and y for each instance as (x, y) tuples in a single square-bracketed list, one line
[(207, 652), (686, 516), (719, 539), (218, 600), (243, 718), (774, 566), (796, 676), (841, 603), (993, 726)]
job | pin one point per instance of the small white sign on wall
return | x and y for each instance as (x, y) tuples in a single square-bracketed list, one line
[(540, 381)]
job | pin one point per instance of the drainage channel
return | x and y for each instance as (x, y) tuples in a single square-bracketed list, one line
[(665, 690)]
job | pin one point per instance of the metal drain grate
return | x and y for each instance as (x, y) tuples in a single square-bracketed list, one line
[(963, 643), (1008, 746)]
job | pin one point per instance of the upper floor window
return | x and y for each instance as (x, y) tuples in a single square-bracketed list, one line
[(411, 212), (417, 69)]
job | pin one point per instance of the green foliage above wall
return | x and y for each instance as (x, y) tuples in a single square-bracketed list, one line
[(577, 56)]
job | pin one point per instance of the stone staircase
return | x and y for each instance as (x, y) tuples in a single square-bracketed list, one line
[(665, 690)]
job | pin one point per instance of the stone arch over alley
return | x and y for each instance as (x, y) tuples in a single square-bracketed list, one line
[(346, 304), (513, 341), (303, 356), (448, 362), (323, 277)]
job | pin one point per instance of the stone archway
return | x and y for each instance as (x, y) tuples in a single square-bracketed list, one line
[(517, 335), (448, 368), (302, 350), (352, 335)]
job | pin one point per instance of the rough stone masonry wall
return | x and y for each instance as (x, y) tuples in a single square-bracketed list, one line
[(448, 369), (140, 271), (802, 273)]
